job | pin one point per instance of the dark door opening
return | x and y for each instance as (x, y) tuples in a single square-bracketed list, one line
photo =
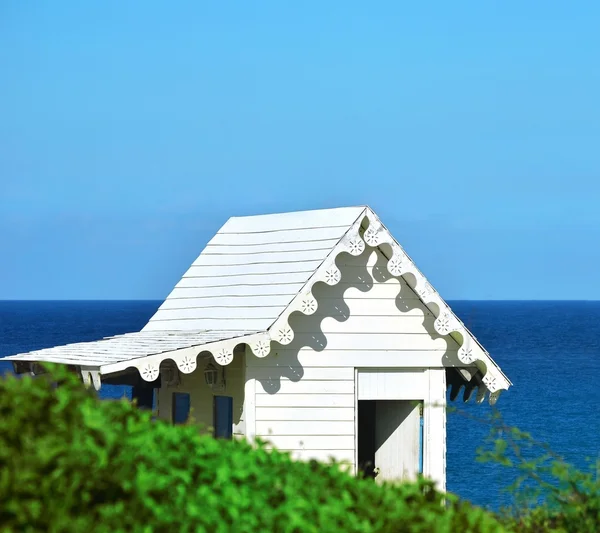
[(366, 437)]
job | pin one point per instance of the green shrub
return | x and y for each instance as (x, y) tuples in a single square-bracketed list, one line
[(69, 462)]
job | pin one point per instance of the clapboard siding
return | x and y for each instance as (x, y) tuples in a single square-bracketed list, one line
[(367, 307), (305, 427), (376, 290), (295, 373), (329, 414), (304, 386), (301, 360), (304, 400), (364, 341), (325, 456), (312, 442), (368, 324), (368, 320), (258, 262)]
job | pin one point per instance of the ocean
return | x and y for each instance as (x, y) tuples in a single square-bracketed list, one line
[(549, 350)]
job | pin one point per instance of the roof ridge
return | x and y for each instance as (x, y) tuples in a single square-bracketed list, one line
[(296, 211)]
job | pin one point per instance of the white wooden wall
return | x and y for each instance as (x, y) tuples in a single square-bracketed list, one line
[(201, 396), (302, 396)]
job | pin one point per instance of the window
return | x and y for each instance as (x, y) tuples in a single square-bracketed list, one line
[(223, 417), (144, 396), (180, 407)]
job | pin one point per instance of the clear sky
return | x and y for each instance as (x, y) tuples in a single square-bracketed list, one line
[(130, 131)]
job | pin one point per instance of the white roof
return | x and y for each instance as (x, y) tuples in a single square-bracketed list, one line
[(123, 348), (250, 277), (252, 269)]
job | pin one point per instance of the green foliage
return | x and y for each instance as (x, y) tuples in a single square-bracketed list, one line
[(71, 463), (549, 493)]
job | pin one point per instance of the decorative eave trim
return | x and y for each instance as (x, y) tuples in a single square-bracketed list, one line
[(399, 265), (91, 376), (446, 323), (186, 358)]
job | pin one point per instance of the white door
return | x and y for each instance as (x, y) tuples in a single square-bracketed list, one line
[(397, 440)]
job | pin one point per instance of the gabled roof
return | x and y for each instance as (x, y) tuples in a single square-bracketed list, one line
[(252, 269), (243, 287)]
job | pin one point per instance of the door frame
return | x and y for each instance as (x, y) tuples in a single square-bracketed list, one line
[(433, 395)]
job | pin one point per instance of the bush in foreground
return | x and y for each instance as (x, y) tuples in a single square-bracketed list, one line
[(549, 493), (69, 462)]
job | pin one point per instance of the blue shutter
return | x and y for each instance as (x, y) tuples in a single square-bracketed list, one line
[(181, 407), (223, 417)]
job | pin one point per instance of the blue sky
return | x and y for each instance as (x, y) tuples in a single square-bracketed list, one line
[(130, 131)]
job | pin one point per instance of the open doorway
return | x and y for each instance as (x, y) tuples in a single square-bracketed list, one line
[(390, 439)]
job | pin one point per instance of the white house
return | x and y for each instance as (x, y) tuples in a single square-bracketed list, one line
[(313, 330)]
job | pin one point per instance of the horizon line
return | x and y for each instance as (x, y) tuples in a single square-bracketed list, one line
[(162, 300)]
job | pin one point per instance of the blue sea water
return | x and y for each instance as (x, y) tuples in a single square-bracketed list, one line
[(549, 350)]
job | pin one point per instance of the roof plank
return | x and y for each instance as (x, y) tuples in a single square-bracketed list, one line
[(300, 235)]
